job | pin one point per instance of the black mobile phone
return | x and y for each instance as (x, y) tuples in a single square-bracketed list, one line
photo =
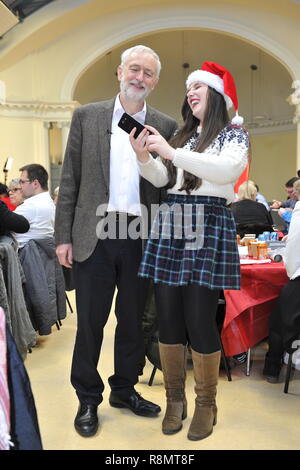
[(127, 123)]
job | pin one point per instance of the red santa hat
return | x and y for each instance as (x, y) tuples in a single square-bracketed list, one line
[(217, 77)]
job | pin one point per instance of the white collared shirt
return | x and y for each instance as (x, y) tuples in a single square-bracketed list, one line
[(39, 210), (291, 255), (124, 183)]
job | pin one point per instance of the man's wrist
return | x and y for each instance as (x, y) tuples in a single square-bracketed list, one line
[(144, 158)]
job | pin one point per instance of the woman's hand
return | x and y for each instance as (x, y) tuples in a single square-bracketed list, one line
[(139, 145), (156, 143)]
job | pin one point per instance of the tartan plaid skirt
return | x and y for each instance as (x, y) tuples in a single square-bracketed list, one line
[(193, 240)]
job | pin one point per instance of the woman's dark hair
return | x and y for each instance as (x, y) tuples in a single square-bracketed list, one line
[(3, 189), (215, 119)]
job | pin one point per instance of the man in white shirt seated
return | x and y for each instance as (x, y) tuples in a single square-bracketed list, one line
[(38, 206), (285, 318)]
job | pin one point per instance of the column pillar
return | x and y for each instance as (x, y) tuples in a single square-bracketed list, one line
[(294, 99), (2, 92), (65, 129), (24, 130)]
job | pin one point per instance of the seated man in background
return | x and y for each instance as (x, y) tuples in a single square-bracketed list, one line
[(38, 206), (250, 214), (292, 199), (44, 287), (287, 213), (285, 318)]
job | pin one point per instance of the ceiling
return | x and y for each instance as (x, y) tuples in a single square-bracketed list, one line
[(24, 8), (258, 76), (15, 11), (64, 15)]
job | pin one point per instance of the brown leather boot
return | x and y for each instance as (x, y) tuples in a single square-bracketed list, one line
[(206, 372), (173, 362)]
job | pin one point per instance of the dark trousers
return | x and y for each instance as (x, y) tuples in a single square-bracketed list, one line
[(114, 263), (285, 320), (187, 314)]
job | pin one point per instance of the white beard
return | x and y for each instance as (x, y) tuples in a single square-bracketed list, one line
[(133, 94)]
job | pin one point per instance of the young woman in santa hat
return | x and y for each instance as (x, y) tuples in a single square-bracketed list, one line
[(191, 254)]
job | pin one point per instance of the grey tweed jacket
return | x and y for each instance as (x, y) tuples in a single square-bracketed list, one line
[(84, 183)]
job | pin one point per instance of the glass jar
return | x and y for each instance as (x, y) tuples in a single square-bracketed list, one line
[(262, 251)]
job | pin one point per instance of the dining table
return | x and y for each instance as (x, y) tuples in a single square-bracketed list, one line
[(247, 310)]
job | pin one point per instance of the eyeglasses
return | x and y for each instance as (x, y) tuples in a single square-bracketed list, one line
[(24, 181), (14, 190)]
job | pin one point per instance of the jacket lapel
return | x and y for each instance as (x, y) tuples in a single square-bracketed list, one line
[(151, 118), (104, 129)]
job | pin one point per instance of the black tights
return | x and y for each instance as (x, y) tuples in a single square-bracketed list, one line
[(187, 314)]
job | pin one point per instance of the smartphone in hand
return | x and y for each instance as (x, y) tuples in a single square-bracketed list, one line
[(127, 123)]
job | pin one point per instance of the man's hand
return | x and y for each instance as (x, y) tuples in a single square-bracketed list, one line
[(139, 145), (275, 204), (64, 253)]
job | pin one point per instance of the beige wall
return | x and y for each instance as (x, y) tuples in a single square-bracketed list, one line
[(18, 140), (25, 141), (273, 163)]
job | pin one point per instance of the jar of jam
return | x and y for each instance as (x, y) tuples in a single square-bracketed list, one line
[(252, 249), (262, 251)]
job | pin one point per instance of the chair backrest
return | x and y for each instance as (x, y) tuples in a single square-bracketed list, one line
[(45, 285), (292, 356), (242, 229), (278, 221)]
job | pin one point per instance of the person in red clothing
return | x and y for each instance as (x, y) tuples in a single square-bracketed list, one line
[(5, 198), (11, 222)]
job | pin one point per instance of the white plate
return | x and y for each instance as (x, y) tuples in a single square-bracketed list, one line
[(254, 261)]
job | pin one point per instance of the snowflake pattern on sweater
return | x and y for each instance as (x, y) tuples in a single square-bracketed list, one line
[(230, 134)]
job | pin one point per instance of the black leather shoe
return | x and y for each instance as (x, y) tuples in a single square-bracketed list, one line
[(86, 421), (272, 369), (136, 403)]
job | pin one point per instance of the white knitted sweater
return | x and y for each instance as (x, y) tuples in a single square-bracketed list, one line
[(219, 166)]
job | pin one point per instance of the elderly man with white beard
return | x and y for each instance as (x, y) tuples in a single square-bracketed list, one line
[(100, 169)]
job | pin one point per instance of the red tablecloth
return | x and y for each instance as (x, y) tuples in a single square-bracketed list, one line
[(248, 310)]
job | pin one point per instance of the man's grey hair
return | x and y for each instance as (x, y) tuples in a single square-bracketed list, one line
[(140, 48)]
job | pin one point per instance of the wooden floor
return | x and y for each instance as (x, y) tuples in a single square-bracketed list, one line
[(253, 414)]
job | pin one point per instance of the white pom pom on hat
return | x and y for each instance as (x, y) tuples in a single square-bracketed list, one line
[(221, 80)]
